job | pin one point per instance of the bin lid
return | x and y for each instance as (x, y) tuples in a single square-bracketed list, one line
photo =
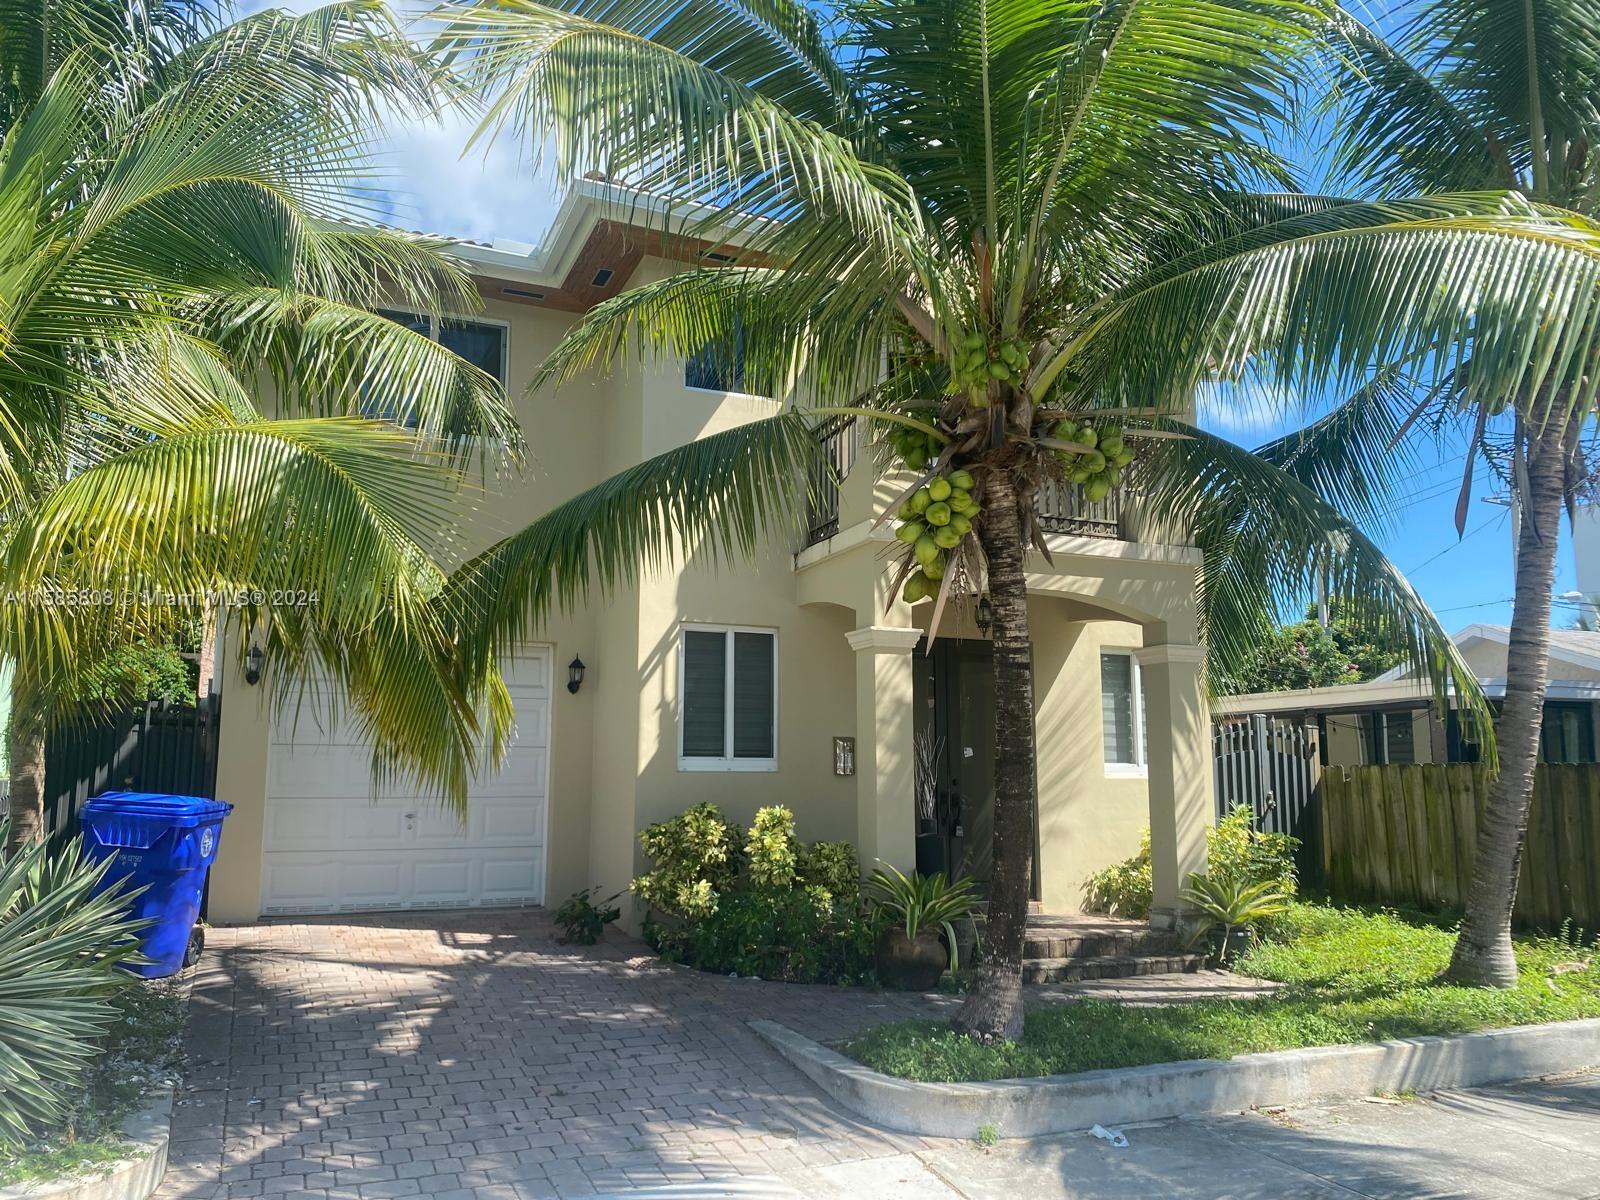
[(157, 804)]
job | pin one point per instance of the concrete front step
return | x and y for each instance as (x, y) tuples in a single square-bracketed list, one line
[(1108, 966), (1050, 943), (1069, 948)]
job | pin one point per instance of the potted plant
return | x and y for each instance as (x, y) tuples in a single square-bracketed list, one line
[(1229, 911), (919, 909)]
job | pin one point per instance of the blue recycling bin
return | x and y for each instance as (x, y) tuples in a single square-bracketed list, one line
[(165, 845)]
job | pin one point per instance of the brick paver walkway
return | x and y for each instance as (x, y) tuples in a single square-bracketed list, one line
[(468, 1054)]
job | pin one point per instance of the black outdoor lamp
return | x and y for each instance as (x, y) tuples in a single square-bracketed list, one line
[(985, 614), (574, 674), (253, 659)]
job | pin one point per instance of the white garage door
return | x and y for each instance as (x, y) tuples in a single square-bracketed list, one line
[(331, 847)]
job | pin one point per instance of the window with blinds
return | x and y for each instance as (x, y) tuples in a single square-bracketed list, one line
[(1121, 712), (727, 714)]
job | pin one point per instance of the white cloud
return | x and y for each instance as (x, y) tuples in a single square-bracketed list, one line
[(433, 183), (429, 181), (1245, 410)]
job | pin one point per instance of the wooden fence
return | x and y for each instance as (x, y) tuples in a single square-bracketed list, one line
[(1406, 835)]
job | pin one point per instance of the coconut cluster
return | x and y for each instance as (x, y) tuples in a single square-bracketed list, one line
[(1098, 468), (915, 446), (975, 362), (933, 522)]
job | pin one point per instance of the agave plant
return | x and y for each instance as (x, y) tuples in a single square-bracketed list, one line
[(921, 902), (60, 944), (1232, 905)]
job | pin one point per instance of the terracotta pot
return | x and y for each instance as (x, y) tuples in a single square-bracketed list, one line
[(911, 966)]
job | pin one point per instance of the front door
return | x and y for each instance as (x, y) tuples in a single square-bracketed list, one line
[(954, 697)]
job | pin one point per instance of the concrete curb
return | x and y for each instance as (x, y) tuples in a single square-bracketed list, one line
[(148, 1132), (1064, 1103)]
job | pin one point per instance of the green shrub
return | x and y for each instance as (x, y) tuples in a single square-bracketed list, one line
[(832, 866), (763, 905), (771, 854), (697, 858), (1236, 857), (798, 935), (1123, 889), (59, 949), (1239, 857), (582, 921)]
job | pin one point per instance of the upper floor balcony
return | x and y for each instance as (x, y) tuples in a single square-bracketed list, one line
[(836, 492)]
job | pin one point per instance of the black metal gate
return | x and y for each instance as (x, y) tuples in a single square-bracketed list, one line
[(158, 748)]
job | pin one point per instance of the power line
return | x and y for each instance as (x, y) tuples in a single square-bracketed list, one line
[(1500, 516)]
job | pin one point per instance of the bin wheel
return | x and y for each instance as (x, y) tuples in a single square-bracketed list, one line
[(197, 945)]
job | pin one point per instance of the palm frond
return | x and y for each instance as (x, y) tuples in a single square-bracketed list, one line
[(1322, 296), (716, 498), (797, 337), (1269, 541)]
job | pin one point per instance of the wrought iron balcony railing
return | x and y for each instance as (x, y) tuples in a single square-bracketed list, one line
[(1061, 507)]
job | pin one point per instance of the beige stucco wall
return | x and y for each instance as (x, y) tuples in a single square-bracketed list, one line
[(614, 766), (1087, 817)]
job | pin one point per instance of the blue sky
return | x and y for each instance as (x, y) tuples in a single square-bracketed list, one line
[(433, 184)]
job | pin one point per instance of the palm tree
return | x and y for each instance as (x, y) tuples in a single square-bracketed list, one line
[(1473, 96), (187, 342), (1044, 217)]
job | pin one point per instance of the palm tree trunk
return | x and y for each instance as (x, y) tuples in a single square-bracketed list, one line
[(25, 750), (1483, 955), (994, 1008)]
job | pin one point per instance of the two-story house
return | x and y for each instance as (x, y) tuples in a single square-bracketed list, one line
[(790, 679)]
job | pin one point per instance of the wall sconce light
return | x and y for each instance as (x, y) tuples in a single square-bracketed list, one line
[(253, 659), (985, 614), (575, 674), (844, 756)]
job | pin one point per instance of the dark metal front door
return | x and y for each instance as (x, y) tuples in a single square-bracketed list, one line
[(954, 697)]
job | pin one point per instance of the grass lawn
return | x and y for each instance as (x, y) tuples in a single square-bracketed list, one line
[(141, 1053), (1348, 977)]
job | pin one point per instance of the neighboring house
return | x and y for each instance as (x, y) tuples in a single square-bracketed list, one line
[(1392, 719), (737, 685)]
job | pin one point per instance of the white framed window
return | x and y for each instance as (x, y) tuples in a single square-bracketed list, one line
[(481, 341), (1122, 723), (728, 698)]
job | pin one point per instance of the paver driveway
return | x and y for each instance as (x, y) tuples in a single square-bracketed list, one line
[(468, 1054)]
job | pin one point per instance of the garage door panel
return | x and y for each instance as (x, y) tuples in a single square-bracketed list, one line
[(301, 882), (439, 826), (520, 775), (512, 880), (372, 881), (365, 825), (335, 772), (296, 823), (330, 847), (441, 878), (509, 821)]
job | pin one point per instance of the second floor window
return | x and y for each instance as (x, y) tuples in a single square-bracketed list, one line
[(481, 343), (717, 367)]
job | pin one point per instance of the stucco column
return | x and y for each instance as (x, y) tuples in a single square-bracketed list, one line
[(243, 743), (885, 757), (1178, 753)]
